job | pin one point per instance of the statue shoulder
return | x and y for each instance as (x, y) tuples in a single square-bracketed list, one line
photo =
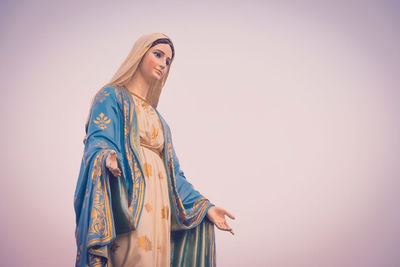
[(109, 95)]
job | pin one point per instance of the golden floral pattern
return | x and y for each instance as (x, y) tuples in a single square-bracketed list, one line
[(145, 105), (100, 227), (188, 215), (144, 243), (102, 144), (102, 121), (135, 200), (148, 207), (96, 261), (195, 214), (164, 212), (102, 95), (147, 169), (152, 231), (78, 255), (137, 109), (154, 134)]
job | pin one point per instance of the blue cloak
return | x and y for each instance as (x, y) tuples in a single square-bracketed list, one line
[(106, 206)]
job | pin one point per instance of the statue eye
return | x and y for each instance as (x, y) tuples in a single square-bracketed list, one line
[(158, 54)]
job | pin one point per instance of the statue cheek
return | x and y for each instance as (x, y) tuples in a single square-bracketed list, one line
[(147, 67)]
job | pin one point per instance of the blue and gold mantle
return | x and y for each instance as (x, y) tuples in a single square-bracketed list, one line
[(106, 206)]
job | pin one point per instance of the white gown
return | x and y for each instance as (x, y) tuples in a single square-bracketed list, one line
[(148, 245)]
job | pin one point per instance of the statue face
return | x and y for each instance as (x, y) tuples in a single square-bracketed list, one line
[(156, 62)]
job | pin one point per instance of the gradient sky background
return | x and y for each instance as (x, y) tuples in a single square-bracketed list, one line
[(286, 113)]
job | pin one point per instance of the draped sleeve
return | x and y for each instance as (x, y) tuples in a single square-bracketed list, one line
[(104, 205), (190, 205), (94, 218), (193, 235)]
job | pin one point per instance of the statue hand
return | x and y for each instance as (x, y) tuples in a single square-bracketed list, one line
[(112, 164), (217, 216)]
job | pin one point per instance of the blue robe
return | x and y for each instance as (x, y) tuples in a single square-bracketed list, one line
[(106, 206)]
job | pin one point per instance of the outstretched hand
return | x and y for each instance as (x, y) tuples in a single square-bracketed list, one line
[(217, 216), (112, 164)]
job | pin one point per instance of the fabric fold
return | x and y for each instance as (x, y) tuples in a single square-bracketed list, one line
[(106, 206), (191, 248)]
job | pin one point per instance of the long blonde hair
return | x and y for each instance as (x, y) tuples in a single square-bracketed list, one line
[(130, 65)]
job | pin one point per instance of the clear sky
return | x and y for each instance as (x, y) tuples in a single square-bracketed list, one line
[(286, 113)]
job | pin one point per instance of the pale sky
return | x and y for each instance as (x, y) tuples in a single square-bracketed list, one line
[(283, 112)]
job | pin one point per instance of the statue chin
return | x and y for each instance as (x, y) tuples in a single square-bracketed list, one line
[(157, 76)]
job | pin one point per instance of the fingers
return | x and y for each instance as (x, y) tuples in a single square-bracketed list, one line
[(229, 215), (228, 228), (220, 226), (116, 172), (112, 164), (113, 156), (224, 226)]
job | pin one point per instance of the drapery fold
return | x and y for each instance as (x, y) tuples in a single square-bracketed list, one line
[(194, 247), (106, 206)]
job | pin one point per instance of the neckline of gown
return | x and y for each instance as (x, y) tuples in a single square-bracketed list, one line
[(141, 98)]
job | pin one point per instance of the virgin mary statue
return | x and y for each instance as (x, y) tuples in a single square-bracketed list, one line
[(133, 203)]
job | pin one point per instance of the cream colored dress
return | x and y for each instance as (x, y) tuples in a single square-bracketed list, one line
[(149, 244)]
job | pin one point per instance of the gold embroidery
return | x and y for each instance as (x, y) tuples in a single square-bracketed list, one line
[(78, 256), (93, 250), (100, 227), (102, 144), (193, 217), (164, 212), (160, 176), (102, 120), (147, 169), (135, 200), (95, 261), (102, 95), (148, 207), (144, 243), (137, 108), (154, 133), (159, 248)]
